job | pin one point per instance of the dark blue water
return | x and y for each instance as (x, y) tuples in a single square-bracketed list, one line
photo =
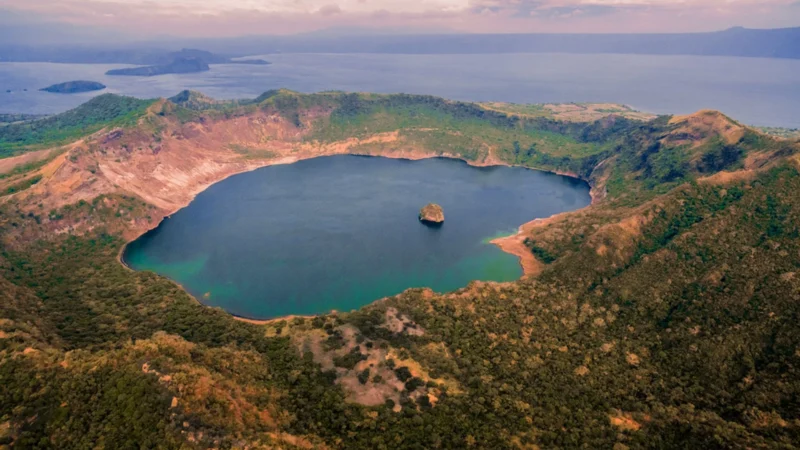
[(752, 90), (340, 232)]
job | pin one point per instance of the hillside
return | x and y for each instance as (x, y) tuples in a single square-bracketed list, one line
[(662, 316), (101, 111)]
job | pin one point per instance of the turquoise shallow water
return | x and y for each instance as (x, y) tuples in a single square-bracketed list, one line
[(340, 232)]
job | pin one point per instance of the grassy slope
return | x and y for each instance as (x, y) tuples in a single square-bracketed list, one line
[(787, 133), (569, 112), (106, 110), (667, 316)]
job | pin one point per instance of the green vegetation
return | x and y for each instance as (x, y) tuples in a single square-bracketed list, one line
[(520, 109), (350, 360), (646, 164), (666, 315), (569, 112), (787, 133), (453, 128), (251, 153), (11, 118), (26, 167), (685, 384), (22, 185), (541, 253), (106, 110), (197, 101)]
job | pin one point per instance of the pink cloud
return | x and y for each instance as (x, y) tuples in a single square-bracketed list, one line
[(330, 10), (229, 18)]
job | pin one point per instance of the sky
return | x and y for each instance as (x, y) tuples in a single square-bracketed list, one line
[(217, 18)]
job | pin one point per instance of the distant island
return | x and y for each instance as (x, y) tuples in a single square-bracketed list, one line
[(184, 61), (178, 65), (74, 87), (254, 62)]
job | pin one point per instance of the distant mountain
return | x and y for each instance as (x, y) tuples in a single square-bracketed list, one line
[(190, 53), (138, 54), (74, 87), (338, 31), (775, 43), (251, 62), (178, 65)]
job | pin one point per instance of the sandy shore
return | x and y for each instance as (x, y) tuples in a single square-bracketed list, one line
[(515, 245), (270, 321)]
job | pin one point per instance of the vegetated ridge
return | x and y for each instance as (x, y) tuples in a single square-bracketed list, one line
[(662, 316)]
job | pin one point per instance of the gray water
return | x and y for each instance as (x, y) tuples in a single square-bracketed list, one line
[(763, 92)]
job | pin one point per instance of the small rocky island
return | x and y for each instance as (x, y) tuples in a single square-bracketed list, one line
[(74, 87), (431, 214)]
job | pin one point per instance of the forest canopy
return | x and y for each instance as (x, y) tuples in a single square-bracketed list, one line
[(664, 316)]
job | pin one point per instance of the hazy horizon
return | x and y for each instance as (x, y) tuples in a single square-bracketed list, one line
[(96, 21)]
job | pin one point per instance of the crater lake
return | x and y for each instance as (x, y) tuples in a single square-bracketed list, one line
[(339, 232)]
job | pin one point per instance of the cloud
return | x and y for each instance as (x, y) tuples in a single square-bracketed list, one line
[(555, 9), (639, 15), (330, 10), (209, 18), (564, 12)]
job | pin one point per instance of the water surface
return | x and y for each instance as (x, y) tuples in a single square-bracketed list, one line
[(753, 90), (340, 232)]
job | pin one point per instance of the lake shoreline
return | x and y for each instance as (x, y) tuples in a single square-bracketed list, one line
[(513, 244)]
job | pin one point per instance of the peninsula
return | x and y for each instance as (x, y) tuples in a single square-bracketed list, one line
[(178, 65)]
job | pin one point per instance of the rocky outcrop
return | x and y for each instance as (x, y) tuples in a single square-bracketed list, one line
[(431, 214)]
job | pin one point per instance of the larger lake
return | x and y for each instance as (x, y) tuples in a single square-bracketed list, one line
[(752, 90), (340, 232)]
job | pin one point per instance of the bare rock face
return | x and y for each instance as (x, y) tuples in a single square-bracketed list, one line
[(431, 214)]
